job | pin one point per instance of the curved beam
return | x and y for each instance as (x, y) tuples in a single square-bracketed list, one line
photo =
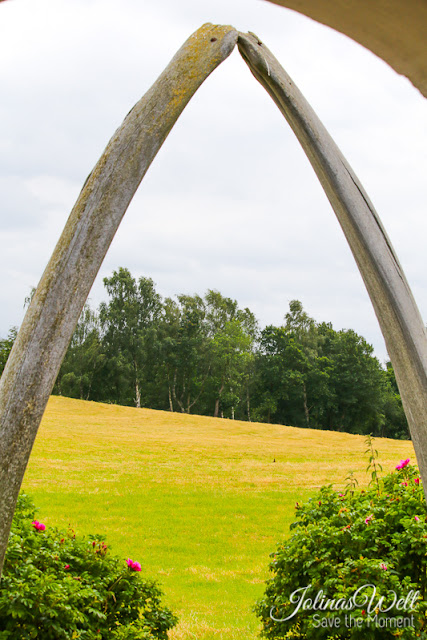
[(395, 30), (394, 305), (43, 339)]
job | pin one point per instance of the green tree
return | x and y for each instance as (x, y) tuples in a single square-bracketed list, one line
[(395, 423), (233, 332), (231, 354), (270, 394), (293, 374), (129, 322), (308, 371), (188, 353), (6, 345), (79, 376), (356, 382), (167, 336)]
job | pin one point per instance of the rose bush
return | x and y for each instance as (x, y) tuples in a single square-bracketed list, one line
[(374, 541), (57, 586)]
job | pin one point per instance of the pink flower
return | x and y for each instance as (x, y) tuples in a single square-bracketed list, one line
[(135, 566), (403, 464), (369, 518), (67, 566), (405, 484), (340, 495), (39, 526), (417, 518), (383, 566), (417, 481)]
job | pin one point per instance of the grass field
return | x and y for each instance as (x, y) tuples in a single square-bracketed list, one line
[(200, 502)]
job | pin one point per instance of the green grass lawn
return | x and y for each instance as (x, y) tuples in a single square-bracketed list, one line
[(200, 502)]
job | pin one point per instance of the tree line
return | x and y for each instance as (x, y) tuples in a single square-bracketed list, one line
[(206, 355)]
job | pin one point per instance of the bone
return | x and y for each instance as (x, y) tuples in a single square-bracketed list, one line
[(47, 328), (398, 316)]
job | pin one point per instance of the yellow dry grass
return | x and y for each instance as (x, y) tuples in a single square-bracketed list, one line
[(111, 438)]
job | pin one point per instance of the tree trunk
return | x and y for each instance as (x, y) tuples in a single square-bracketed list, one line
[(248, 406), (216, 412), (306, 409), (137, 389), (137, 395), (170, 397), (191, 404), (175, 397), (91, 381)]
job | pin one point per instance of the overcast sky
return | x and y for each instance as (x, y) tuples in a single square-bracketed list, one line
[(230, 202)]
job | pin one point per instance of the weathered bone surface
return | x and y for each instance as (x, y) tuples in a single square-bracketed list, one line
[(394, 305), (49, 323)]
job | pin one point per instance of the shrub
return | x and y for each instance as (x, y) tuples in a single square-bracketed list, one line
[(57, 586), (374, 540)]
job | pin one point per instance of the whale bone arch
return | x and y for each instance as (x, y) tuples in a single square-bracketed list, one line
[(49, 323)]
